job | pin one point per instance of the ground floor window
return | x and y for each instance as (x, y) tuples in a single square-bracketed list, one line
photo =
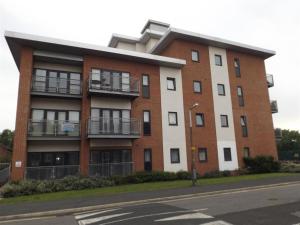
[(227, 154), (52, 158), (175, 157), (110, 156)]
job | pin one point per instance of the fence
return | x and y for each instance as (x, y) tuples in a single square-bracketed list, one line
[(51, 172), (4, 172), (111, 169)]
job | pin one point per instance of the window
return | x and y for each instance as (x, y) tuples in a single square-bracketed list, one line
[(199, 119), (197, 86), (244, 126), (195, 56), (227, 154), (145, 86), (237, 67), (240, 96), (224, 121), (147, 123), (173, 118), (202, 154), (175, 157), (218, 60), (221, 89), (171, 84), (246, 152)]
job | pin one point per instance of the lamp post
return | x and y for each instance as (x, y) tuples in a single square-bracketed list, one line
[(193, 149)]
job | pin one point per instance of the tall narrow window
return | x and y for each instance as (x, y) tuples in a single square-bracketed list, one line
[(244, 126), (224, 121), (197, 86), (221, 89), (227, 154), (171, 83), (195, 56), (202, 153), (218, 60), (240, 96), (147, 123), (199, 119), (237, 67), (173, 118), (145, 86), (175, 157), (246, 152)]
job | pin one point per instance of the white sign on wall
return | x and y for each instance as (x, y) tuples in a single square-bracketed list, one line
[(18, 164)]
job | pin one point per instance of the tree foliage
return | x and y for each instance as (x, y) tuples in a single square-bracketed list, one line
[(6, 138), (289, 145)]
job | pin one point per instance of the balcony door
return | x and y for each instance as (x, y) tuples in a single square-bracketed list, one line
[(75, 83), (62, 117), (125, 82), (52, 82), (116, 81), (50, 124), (116, 121), (105, 80), (37, 122), (106, 121), (125, 122)]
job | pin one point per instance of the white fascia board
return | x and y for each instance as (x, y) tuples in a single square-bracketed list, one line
[(162, 60)]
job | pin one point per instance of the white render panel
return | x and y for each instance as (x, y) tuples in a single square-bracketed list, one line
[(173, 136), (126, 46), (50, 146), (223, 106), (54, 103), (150, 44), (111, 103)]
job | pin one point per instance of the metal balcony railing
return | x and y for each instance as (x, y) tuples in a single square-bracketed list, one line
[(113, 127), (111, 169), (51, 172), (274, 106), (270, 80), (278, 134), (53, 128), (56, 86), (100, 83)]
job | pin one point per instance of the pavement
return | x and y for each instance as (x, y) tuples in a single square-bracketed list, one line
[(273, 201)]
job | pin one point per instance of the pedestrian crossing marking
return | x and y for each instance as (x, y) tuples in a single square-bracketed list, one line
[(186, 217), (82, 216), (98, 219), (219, 222)]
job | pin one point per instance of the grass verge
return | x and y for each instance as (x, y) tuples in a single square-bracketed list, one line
[(98, 192)]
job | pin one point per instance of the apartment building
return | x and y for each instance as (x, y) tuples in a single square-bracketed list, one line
[(102, 111)]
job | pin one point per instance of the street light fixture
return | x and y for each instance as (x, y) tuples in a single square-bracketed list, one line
[(193, 149)]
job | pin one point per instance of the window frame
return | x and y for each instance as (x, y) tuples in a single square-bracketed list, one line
[(172, 79), (146, 88), (220, 57), (223, 87), (178, 152), (245, 126), (226, 159), (176, 117), (202, 149), (198, 55), (237, 69), (148, 133), (225, 116), (200, 85), (248, 152), (203, 119), (241, 101)]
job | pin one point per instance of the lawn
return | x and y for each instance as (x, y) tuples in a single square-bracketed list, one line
[(98, 192)]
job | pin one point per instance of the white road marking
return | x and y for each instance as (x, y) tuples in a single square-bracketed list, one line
[(151, 215), (82, 216), (219, 222), (187, 217), (98, 219)]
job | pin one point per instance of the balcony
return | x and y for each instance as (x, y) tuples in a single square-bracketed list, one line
[(54, 86), (53, 130), (278, 134), (270, 80), (111, 169), (274, 107), (111, 84), (113, 128), (51, 172)]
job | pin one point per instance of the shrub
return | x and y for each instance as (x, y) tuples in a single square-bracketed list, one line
[(290, 167), (184, 175), (262, 164)]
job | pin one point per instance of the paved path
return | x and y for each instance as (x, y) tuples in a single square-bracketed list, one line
[(93, 201), (278, 205)]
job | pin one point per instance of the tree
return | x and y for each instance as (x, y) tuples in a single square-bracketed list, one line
[(289, 145), (6, 138)]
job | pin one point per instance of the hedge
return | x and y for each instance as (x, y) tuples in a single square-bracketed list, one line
[(262, 164)]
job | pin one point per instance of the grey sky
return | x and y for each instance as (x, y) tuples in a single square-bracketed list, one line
[(271, 24)]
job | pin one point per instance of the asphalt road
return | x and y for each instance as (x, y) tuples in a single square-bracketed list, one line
[(270, 206)]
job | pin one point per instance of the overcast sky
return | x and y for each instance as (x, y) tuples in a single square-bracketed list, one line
[(271, 24)]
